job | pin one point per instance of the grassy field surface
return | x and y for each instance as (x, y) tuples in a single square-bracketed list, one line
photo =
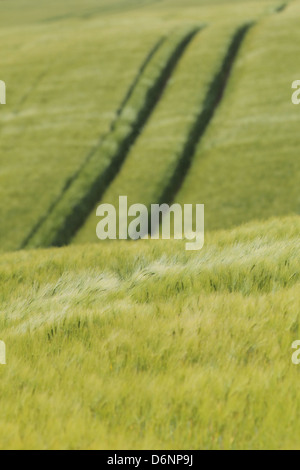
[(152, 164), (66, 82), (69, 98), (141, 345), (247, 165), (100, 168)]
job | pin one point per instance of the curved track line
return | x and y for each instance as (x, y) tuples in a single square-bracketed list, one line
[(209, 107), (78, 210)]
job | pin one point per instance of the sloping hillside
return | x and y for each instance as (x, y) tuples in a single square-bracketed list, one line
[(81, 88), (141, 345)]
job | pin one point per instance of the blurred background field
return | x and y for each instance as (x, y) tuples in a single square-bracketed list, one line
[(140, 344), (68, 78)]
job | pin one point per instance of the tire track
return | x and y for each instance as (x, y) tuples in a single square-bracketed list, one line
[(76, 174), (208, 110), (80, 194)]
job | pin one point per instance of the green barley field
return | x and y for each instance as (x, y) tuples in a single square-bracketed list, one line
[(142, 344)]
